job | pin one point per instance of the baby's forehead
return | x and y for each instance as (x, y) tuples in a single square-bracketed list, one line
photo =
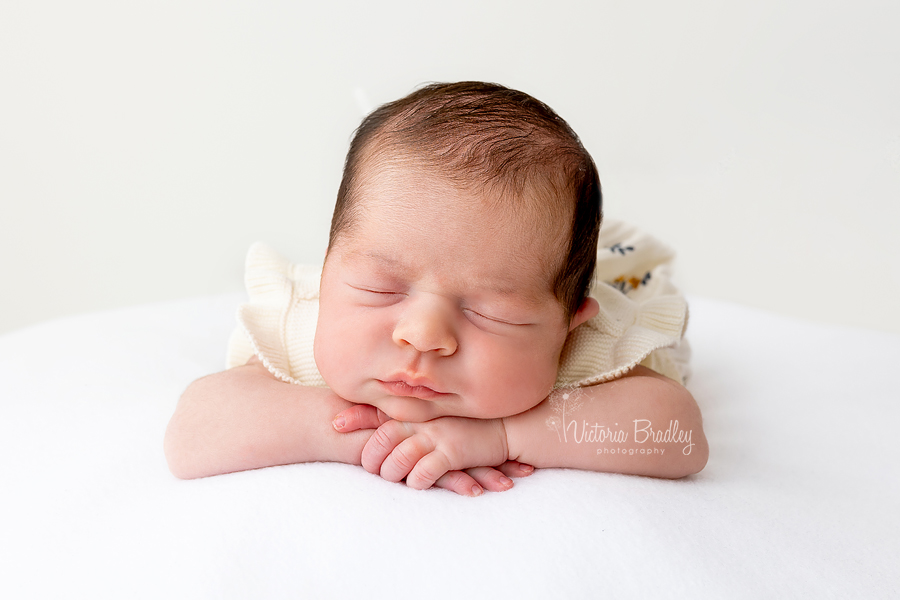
[(513, 238), (406, 183), (403, 194), (497, 273)]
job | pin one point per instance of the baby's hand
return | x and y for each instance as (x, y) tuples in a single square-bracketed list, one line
[(432, 453)]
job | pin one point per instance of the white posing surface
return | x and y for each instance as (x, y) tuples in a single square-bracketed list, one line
[(800, 497)]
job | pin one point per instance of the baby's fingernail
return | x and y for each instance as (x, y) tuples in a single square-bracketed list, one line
[(526, 468), (476, 490), (505, 481), (339, 423)]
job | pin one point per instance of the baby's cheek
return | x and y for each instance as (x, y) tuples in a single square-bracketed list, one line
[(321, 356), (326, 353), (538, 380), (519, 389)]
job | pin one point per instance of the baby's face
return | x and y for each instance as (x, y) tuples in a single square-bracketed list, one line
[(434, 305)]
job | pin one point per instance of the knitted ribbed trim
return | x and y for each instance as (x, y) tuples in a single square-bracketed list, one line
[(279, 321)]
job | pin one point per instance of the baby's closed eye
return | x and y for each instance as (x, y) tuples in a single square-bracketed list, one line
[(489, 320), (370, 295)]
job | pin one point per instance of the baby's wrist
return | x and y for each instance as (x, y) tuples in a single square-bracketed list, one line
[(501, 430)]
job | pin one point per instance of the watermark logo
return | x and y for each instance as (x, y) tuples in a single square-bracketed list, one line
[(565, 402)]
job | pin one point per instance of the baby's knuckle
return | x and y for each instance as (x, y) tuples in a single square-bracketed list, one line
[(453, 479), (422, 478), (382, 438), (434, 469), (417, 483), (405, 457)]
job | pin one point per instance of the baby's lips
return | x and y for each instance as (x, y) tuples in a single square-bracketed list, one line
[(399, 387)]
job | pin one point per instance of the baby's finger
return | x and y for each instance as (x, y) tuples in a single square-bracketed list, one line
[(459, 482), (404, 459), (427, 470), (490, 479), (513, 468), (382, 444), (360, 416)]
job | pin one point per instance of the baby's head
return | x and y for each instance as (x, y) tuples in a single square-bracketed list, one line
[(461, 252)]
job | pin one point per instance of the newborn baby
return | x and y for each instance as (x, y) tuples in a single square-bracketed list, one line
[(457, 324)]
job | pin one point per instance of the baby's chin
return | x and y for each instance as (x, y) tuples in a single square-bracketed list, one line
[(410, 410), (414, 410)]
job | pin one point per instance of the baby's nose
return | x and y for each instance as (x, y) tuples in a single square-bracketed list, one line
[(427, 326)]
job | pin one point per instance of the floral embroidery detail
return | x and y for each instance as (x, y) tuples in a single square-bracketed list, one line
[(617, 247), (626, 284)]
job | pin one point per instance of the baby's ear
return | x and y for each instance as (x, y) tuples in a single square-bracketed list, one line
[(588, 310)]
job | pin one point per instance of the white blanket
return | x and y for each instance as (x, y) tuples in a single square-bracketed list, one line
[(800, 496)]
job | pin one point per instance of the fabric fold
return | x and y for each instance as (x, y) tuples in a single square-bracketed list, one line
[(279, 321), (622, 335)]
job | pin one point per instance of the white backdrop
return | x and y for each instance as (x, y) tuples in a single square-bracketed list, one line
[(145, 145)]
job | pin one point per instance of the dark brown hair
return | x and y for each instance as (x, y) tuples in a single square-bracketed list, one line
[(489, 136)]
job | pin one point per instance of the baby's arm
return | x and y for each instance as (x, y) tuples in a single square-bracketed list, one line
[(641, 424), (245, 418)]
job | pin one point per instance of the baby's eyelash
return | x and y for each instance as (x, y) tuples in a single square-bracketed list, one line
[(372, 291), (494, 319)]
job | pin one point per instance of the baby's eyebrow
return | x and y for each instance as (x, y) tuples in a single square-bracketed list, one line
[(384, 260)]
